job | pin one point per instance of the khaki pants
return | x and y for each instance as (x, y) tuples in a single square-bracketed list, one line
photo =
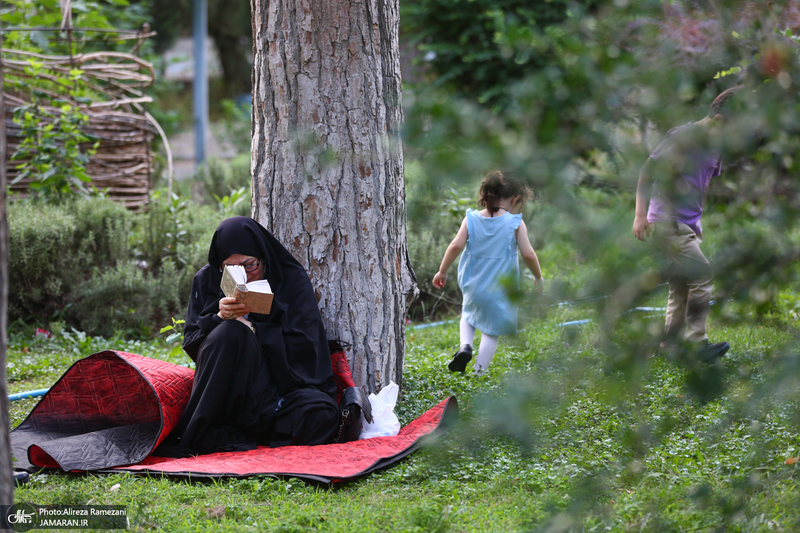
[(691, 281)]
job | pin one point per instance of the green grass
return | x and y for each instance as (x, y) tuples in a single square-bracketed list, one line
[(571, 430)]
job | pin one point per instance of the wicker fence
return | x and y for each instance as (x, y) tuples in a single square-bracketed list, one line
[(123, 162)]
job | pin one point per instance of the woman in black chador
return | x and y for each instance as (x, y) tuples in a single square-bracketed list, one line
[(259, 379)]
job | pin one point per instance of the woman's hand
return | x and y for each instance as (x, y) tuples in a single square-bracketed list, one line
[(230, 309)]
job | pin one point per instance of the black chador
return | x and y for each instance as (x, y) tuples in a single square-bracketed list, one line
[(272, 385)]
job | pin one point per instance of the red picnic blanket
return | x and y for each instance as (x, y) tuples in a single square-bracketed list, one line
[(110, 410)]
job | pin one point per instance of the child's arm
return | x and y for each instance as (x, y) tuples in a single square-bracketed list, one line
[(641, 229), (456, 247), (529, 254)]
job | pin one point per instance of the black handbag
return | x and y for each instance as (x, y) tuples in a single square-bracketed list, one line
[(353, 403)]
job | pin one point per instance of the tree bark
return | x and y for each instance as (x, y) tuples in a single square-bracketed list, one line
[(328, 166), (6, 480)]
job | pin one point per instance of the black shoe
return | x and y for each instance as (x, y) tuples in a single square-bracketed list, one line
[(709, 352), (21, 477), (461, 358)]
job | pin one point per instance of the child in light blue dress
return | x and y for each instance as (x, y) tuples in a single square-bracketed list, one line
[(489, 239)]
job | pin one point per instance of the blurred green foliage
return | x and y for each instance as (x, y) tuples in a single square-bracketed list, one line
[(235, 124), (479, 48), (610, 83)]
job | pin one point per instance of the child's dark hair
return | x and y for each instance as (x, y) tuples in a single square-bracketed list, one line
[(723, 104), (497, 185)]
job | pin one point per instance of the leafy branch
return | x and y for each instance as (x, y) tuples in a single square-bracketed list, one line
[(50, 152)]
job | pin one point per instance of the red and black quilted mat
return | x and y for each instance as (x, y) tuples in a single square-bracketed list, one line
[(109, 411)]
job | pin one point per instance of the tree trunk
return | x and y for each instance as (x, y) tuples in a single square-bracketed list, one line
[(6, 481), (328, 166)]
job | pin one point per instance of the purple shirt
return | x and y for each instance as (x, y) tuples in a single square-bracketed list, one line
[(692, 167)]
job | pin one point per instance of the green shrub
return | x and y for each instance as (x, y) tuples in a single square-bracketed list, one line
[(199, 222), (103, 226), (219, 178), (102, 269), (174, 229), (159, 233), (38, 239), (50, 151), (426, 248), (52, 247), (125, 299)]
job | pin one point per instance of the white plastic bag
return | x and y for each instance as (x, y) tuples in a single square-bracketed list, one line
[(384, 421)]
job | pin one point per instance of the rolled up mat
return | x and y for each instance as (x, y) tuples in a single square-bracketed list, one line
[(109, 409)]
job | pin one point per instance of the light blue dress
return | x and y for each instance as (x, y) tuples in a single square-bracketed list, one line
[(489, 257)]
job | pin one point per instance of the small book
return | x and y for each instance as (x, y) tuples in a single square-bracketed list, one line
[(257, 295)]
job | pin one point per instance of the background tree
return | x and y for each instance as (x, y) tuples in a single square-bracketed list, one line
[(471, 47), (328, 166), (6, 481), (229, 26)]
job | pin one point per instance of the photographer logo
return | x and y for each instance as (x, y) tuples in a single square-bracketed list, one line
[(22, 517)]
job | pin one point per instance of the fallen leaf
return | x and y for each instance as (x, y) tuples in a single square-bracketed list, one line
[(114, 488), (216, 512), (791, 460)]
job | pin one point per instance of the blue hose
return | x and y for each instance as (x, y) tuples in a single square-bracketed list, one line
[(574, 323), (431, 324), (29, 394)]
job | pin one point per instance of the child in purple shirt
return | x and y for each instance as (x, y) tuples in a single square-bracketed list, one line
[(680, 170)]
